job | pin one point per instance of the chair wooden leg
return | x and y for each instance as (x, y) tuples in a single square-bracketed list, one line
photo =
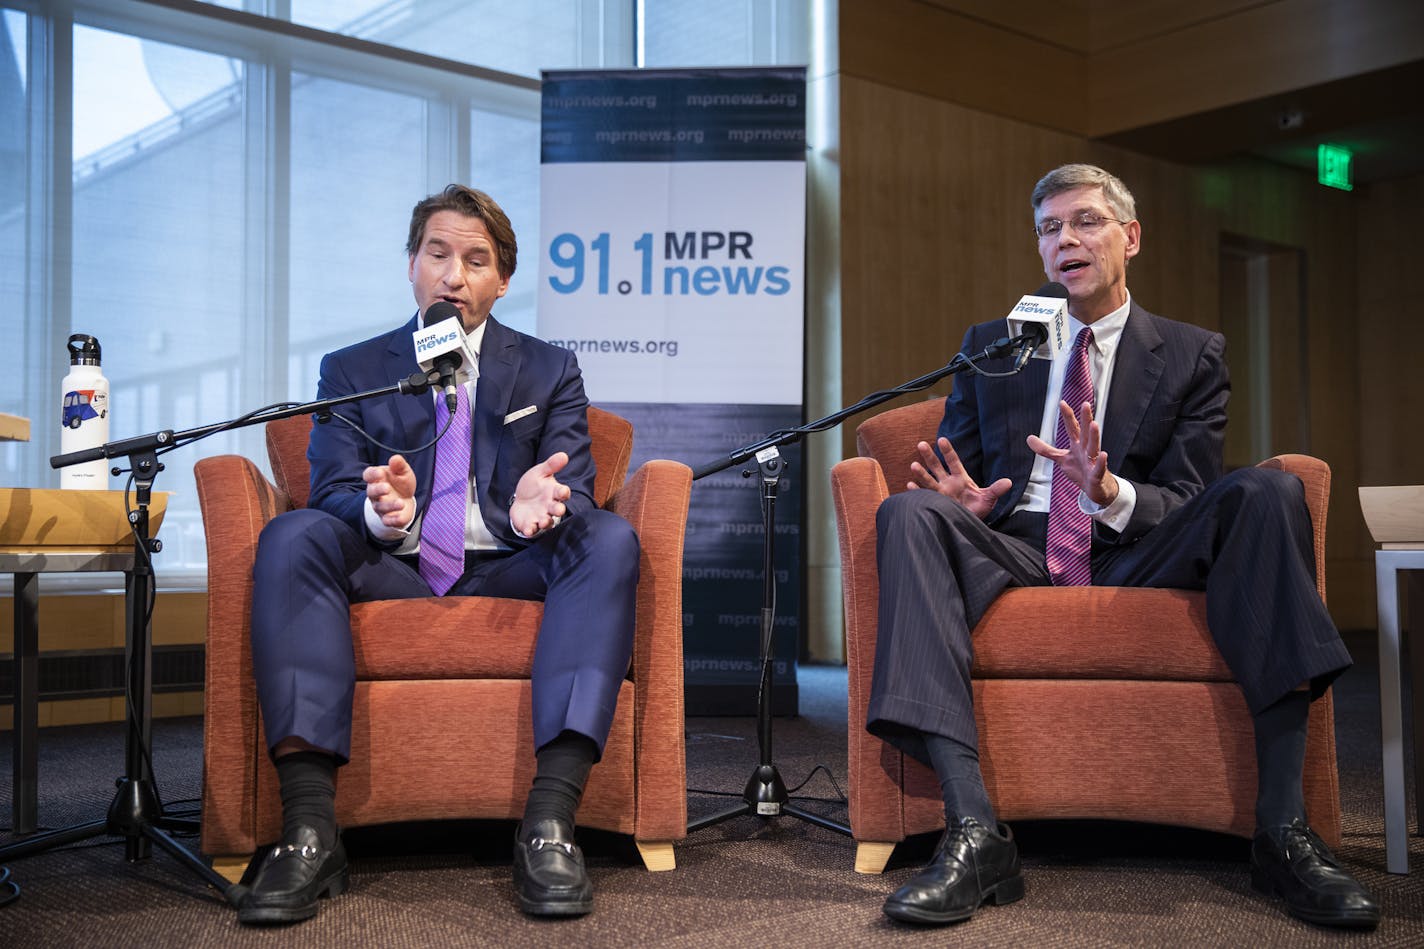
[(231, 868), (657, 854), (871, 856)]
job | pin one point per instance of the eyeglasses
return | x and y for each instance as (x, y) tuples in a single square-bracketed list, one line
[(1084, 222)]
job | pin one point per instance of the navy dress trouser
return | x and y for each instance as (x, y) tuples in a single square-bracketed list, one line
[(1246, 540), (312, 566)]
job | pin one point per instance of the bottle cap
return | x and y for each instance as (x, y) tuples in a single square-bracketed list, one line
[(86, 353)]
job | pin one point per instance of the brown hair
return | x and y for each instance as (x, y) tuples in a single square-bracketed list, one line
[(471, 203)]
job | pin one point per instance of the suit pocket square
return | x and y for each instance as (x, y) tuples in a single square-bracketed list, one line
[(516, 416)]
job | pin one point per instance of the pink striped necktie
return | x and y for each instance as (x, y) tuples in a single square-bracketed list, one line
[(442, 529), (1070, 531)]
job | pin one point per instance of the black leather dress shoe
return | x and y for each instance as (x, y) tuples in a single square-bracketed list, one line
[(1293, 863), (972, 866), (549, 871), (294, 875)]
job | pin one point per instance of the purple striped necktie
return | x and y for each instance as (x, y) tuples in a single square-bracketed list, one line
[(442, 529), (1070, 531)]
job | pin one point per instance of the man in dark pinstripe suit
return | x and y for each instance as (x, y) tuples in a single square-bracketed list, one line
[(1139, 463)]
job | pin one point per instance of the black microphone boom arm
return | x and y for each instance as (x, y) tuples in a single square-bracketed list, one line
[(995, 350), (414, 384)]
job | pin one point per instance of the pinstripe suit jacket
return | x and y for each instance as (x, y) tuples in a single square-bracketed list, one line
[(1165, 426)]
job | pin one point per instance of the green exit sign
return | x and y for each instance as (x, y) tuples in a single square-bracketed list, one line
[(1334, 167)]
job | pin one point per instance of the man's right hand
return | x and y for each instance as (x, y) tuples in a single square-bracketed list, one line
[(391, 490), (950, 479)]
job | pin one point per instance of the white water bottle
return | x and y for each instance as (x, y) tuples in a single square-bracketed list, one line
[(84, 414)]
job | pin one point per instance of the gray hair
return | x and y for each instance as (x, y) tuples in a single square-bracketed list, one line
[(1068, 177)]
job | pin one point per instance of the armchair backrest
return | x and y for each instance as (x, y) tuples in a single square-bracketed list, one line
[(890, 438), (612, 437)]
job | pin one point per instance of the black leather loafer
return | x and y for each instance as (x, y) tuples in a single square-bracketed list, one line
[(973, 866), (1293, 863), (294, 875), (549, 871)]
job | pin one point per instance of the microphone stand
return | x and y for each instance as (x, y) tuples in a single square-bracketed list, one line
[(765, 794), (136, 813)]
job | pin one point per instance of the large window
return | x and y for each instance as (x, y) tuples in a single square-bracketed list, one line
[(220, 197), (727, 33)]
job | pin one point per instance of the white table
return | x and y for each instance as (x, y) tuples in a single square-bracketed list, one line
[(1389, 564)]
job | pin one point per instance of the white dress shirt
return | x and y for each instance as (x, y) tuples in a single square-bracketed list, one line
[(477, 535), (1102, 357)]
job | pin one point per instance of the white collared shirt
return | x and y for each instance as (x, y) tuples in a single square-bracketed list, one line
[(477, 535), (1102, 357)]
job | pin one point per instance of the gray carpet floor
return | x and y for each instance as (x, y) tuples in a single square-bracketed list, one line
[(743, 882)]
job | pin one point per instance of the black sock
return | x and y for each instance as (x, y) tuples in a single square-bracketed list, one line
[(561, 771), (960, 781), (306, 781), (1280, 758)]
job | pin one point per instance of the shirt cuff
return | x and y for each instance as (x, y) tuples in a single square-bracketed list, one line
[(380, 530), (1117, 514)]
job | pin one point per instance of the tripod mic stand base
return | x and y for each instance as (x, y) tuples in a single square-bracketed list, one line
[(135, 816), (765, 793), (766, 797)]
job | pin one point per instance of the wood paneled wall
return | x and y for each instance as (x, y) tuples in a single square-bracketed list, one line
[(1095, 67), (935, 236), (1390, 361), (95, 623)]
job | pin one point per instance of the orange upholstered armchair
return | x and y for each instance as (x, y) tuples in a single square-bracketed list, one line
[(452, 705), (1122, 709)]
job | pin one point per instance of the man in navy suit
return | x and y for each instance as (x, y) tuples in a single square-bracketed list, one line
[(1122, 487), (524, 525)]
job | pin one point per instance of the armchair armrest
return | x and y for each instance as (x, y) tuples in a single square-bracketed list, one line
[(857, 488), (1314, 474), (654, 500), (237, 501)]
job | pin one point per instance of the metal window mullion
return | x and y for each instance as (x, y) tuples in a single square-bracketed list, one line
[(461, 153), (278, 164), (440, 159), (609, 32), (640, 34), (261, 371), (49, 251)]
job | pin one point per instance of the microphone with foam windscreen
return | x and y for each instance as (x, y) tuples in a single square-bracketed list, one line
[(440, 346), (1041, 317)]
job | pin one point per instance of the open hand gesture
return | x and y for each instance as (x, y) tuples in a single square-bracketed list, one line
[(950, 479), (540, 497), (1083, 460)]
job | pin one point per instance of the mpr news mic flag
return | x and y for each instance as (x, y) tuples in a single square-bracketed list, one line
[(673, 222)]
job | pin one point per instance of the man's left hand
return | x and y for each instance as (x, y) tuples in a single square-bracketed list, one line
[(1083, 461), (540, 497)]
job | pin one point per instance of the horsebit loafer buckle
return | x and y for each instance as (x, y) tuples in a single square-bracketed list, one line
[(541, 843)]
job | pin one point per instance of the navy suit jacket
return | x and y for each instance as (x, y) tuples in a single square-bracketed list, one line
[(516, 371), (1165, 426)]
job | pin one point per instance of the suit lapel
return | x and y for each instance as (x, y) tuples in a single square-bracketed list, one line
[(500, 359), (1139, 367)]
